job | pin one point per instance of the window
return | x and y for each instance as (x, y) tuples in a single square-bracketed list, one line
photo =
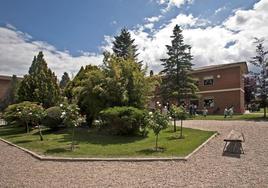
[(209, 102), (208, 81)]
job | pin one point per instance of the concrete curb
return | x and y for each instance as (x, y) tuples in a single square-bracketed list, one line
[(120, 159)]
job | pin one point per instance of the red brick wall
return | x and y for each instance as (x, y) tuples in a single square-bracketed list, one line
[(222, 100), (4, 84), (229, 78)]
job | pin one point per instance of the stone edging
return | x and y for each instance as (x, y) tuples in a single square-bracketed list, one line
[(63, 159)]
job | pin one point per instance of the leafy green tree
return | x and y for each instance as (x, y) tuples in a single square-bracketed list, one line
[(178, 113), (124, 46), (65, 79), (36, 114), (72, 118), (10, 96), (91, 99), (177, 82), (125, 83), (40, 85), (261, 61), (157, 122)]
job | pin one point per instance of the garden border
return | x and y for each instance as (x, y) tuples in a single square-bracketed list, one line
[(126, 159)]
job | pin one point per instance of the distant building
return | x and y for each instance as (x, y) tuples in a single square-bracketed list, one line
[(4, 85), (219, 86)]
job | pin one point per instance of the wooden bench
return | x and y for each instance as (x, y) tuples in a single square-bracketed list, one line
[(236, 138)]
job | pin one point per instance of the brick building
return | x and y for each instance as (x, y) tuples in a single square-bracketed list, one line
[(4, 85), (219, 86)]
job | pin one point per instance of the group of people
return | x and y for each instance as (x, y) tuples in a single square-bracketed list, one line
[(228, 112), (193, 110)]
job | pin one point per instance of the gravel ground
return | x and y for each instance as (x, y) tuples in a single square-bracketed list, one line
[(206, 168)]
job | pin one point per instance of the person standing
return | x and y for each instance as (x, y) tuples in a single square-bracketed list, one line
[(225, 113)]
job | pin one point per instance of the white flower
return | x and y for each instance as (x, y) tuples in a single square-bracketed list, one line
[(150, 113), (63, 113), (169, 117), (30, 113), (61, 105)]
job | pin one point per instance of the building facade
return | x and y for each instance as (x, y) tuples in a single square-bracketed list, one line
[(4, 85), (220, 86)]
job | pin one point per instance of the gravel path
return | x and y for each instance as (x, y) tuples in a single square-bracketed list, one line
[(206, 168)]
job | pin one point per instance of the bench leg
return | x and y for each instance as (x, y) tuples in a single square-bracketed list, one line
[(242, 149), (224, 147)]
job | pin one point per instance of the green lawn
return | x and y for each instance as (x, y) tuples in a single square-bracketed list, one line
[(253, 117), (91, 144)]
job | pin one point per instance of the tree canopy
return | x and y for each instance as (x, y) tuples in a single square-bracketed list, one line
[(40, 85), (177, 82)]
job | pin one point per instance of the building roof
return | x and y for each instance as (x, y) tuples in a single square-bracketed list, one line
[(242, 64), (4, 77)]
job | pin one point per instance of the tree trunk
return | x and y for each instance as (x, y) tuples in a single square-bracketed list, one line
[(72, 145), (40, 132), (175, 125), (27, 127), (264, 110), (181, 129), (156, 142)]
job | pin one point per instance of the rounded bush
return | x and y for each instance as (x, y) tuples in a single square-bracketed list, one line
[(53, 118), (124, 120)]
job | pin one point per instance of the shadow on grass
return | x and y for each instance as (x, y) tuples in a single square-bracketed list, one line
[(11, 130), (150, 151), (22, 141), (57, 150), (86, 135)]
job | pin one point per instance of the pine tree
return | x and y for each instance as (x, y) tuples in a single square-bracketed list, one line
[(40, 85), (124, 46), (177, 81), (65, 79), (261, 61)]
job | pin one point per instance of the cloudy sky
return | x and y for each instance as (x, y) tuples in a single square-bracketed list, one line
[(75, 33)]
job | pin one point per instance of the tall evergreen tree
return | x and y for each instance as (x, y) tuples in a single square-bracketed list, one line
[(40, 85), (124, 46), (261, 61), (177, 81), (65, 79)]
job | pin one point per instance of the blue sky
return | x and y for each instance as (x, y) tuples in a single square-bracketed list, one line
[(77, 32)]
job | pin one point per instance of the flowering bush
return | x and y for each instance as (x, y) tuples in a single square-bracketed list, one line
[(71, 118), (25, 113), (157, 122)]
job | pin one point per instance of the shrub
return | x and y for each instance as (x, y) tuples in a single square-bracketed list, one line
[(157, 122), (26, 114), (53, 118), (11, 114), (124, 120)]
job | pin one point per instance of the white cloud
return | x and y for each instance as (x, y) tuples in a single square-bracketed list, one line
[(220, 9), (173, 3), (153, 19), (17, 51), (228, 42)]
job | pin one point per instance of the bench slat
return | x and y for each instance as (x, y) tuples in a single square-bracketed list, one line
[(234, 136)]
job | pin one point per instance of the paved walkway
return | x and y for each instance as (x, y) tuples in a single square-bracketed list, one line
[(207, 168)]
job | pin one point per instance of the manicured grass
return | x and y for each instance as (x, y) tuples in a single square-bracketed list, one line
[(253, 117), (90, 143)]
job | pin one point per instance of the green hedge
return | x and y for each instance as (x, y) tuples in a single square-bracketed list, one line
[(124, 120)]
